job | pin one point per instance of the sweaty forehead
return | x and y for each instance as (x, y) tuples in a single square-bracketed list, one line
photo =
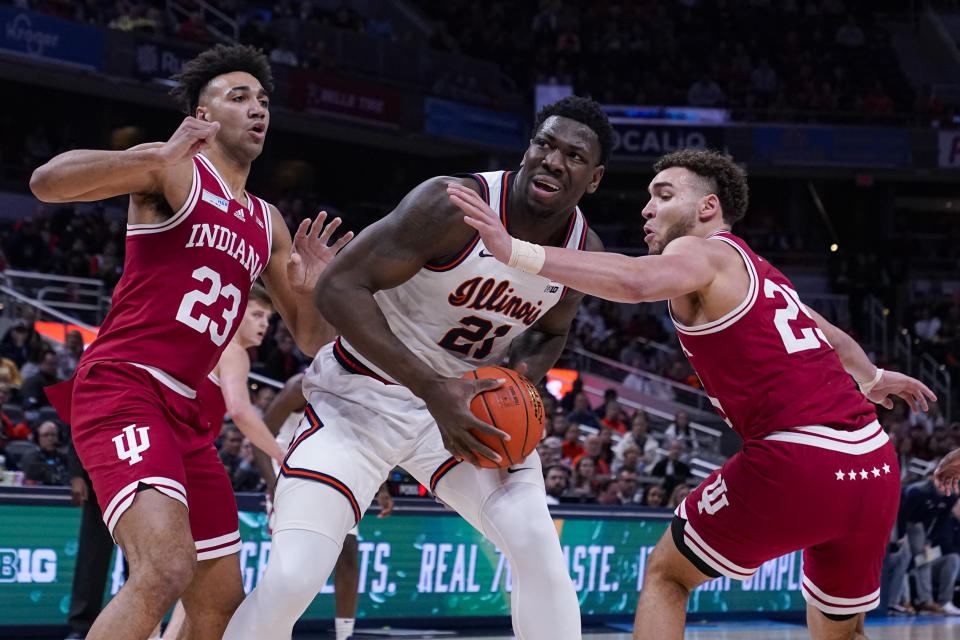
[(681, 179), (221, 85), (571, 132)]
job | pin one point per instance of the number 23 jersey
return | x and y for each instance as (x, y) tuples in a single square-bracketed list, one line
[(185, 283), (766, 365), (463, 314)]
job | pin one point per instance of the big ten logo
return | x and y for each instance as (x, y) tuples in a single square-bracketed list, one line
[(28, 565)]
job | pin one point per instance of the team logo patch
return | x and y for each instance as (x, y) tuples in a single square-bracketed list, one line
[(714, 496), (220, 203), (131, 443)]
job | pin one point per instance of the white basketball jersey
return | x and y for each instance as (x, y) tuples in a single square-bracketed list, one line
[(463, 314)]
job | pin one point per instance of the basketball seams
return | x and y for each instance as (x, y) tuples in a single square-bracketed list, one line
[(522, 384), (492, 422)]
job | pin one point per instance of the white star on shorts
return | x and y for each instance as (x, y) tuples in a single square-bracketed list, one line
[(840, 475), (863, 474), (876, 472), (886, 468), (853, 475)]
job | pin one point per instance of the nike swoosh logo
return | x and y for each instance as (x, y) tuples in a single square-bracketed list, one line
[(485, 255), (514, 470)]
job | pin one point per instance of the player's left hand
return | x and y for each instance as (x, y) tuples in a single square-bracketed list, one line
[(385, 500), (311, 253), (481, 217), (896, 384)]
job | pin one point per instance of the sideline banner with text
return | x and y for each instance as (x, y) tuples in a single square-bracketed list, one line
[(432, 565)]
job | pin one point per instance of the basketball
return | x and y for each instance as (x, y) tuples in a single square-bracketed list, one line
[(514, 407)]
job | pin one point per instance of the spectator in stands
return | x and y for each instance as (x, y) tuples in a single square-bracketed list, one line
[(609, 395), (850, 34), (705, 92), (69, 354), (32, 388), (612, 417), (566, 403), (239, 463), (10, 430), (556, 480), (676, 497), (629, 487), (571, 443), (282, 364), (280, 53), (672, 469), (893, 575), (551, 451), (581, 413), (927, 325), (680, 429), (629, 462), (592, 448), (262, 398), (654, 496), (638, 437), (606, 446), (9, 373), (17, 344), (608, 491), (925, 509), (48, 464), (584, 485)]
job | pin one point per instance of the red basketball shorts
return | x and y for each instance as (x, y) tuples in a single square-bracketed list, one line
[(833, 494), (129, 428)]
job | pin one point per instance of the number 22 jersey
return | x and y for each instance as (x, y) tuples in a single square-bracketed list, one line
[(185, 283), (766, 365)]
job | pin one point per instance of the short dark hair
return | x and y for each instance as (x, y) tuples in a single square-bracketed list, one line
[(197, 74), (259, 294), (585, 111), (566, 470), (728, 178)]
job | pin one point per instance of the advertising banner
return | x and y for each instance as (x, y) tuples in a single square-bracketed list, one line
[(950, 149), (160, 59), (475, 124), (432, 565), (855, 147), (345, 97), (636, 139), (41, 36)]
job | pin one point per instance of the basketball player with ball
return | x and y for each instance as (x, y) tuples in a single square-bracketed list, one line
[(816, 471), (420, 302)]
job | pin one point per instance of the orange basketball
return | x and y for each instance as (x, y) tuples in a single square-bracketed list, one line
[(514, 407)]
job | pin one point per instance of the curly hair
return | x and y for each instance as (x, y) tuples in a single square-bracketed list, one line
[(584, 111), (729, 180), (197, 74)]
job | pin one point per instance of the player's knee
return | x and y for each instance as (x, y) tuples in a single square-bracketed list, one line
[(169, 576)]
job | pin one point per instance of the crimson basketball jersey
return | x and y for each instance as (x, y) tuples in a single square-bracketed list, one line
[(213, 407), (766, 365), (185, 283)]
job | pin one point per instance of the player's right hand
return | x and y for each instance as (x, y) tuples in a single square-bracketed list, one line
[(448, 401), (78, 490), (947, 474), (191, 137)]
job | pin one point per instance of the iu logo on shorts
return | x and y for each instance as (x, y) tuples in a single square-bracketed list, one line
[(132, 443), (714, 496)]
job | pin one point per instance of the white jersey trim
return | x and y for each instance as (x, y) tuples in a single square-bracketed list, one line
[(214, 378), (741, 310), (268, 227), (219, 540), (216, 174), (182, 214), (859, 442), (838, 606), (124, 498), (167, 380), (708, 554)]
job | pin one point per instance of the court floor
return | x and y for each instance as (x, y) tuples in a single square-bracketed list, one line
[(921, 628)]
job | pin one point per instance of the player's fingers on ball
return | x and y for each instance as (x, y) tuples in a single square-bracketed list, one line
[(481, 449), (490, 430), (487, 384)]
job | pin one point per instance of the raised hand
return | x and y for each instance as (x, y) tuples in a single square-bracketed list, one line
[(311, 253), (481, 217), (947, 474), (448, 401), (896, 384), (191, 137)]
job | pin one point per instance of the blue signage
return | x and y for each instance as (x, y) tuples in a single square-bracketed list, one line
[(476, 124), (855, 147), (40, 36)]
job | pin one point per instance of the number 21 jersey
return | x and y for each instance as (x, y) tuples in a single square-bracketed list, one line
[(766, 365), (185, 283)]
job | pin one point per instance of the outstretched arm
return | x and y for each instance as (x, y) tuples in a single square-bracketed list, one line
[(877, 384), (289, 399), (234, 369), (423, 227), (84, 175), (685, 266), (292, 273)]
